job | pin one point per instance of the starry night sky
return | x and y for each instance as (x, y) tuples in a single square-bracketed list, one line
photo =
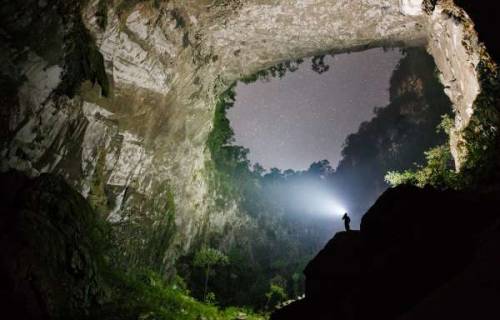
[(306, 116)]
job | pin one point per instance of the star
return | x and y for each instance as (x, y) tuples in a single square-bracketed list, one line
[(305, 117)]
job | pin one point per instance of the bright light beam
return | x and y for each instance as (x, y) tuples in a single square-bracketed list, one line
[(336, 208)]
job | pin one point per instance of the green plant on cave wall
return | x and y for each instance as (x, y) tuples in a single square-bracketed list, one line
[(438, 170), (229, 166), (482, 163), (482, 136)]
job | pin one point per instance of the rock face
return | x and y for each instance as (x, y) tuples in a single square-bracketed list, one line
[(397, 136), (414, 256), (161, 65), (49, 262)]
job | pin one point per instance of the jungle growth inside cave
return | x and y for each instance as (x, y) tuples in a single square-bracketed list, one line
[(288, 226), (65, 253)]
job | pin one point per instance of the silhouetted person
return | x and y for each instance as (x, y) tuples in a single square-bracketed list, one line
[(347, 222)]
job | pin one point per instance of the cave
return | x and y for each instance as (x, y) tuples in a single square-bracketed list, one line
[(108, 111)]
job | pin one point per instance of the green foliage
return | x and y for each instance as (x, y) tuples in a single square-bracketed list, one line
[(446, 124), (281, 69), (397, 137), (230, 162), (276, 71), (275, 295), (208, 258), (146, 295), (138, 289), (277, 241), (395, 178), (481, 144), (482, 135), (270, 245), (319, 65), (438, 172)]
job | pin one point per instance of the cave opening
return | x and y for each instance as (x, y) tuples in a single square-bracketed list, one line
[(350, 118), (126, 169), (362, 115)]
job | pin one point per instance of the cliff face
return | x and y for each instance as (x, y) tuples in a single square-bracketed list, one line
[(411, 259), (118, 96), (398, 135)]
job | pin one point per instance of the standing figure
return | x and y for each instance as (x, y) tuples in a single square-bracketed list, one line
[(347, 222)]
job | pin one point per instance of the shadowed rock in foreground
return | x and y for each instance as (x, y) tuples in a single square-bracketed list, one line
[(49, 262), (420, 254)]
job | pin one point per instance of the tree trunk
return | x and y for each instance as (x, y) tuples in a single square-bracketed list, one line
[(206, 284)]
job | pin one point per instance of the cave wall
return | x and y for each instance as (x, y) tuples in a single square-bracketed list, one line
[(166, 63)]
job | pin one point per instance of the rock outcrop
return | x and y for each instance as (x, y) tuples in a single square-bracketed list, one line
[(118, 96), (50, 242), (420, 254)]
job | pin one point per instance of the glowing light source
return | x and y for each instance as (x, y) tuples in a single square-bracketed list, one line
[(315, 198), (336, 208)]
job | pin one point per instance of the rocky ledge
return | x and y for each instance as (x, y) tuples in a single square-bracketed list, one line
[(420, 254)]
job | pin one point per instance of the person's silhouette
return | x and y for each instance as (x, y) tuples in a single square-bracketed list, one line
[(347, 222)]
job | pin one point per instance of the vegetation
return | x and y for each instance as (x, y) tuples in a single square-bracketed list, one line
[(438, 172), (319, 65), (482, 136), (272, 250), (396, 139), (281, 69), (146, 295), (275, 295), (276, 71), (132, 276), (272, 245), (481, 142), (208, 258)]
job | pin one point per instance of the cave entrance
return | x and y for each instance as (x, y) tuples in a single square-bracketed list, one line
[(305, 115), (325, 130)]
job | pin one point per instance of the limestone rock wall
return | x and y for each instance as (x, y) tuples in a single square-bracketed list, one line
[(166, 62)]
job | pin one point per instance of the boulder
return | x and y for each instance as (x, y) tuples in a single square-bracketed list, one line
[(49, 242)]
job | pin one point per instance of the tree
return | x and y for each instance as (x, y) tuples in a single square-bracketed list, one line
[(208, 258), (258, 169), (319, 168), (319, 65), (275, 295)]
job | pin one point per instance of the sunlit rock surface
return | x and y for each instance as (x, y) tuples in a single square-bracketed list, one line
[(412, 7), (166, 63)]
